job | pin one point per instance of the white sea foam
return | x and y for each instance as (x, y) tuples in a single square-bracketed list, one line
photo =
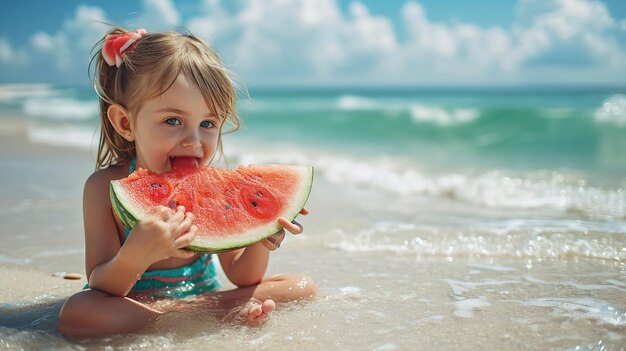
[(492, 267), (612, 111), (420, 113), (460, 288), (11, 92), (465, 308), (274, 105), (80, 137), (357, 103), (61, 108), (582, 308), (441, 116), (458, 237), (609, 284), (492, 189)]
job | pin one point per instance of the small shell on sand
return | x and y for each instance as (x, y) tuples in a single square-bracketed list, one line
[(72, 276)]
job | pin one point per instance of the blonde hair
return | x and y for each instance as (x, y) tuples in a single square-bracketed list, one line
[(148, 69)]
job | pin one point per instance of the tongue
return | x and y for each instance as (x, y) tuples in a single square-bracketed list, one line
[(179, 163)]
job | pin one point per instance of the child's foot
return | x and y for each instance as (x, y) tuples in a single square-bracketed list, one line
[(257, 312)]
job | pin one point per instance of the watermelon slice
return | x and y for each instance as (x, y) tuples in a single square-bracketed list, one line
[(232, 208)]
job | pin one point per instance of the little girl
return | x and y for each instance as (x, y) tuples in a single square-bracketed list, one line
[(164, 98)]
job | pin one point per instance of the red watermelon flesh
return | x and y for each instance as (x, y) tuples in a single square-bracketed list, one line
[(232, 208)]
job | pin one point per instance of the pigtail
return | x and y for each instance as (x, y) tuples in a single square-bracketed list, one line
[(109, 82)]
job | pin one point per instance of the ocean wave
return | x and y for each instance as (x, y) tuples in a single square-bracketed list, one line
[(566, 192), (612, 111), (441, 116), (11, 92), (358, 103), (268, 105), (492, 189), (419, 112), (61, 108), (519, 238), (80, 137)]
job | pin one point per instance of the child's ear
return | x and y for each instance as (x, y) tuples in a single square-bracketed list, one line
[(118, 116)]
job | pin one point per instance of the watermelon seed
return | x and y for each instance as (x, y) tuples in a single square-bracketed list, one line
[(259, 194), (155, 185), (254, 203), (173, 204), (228, 206)]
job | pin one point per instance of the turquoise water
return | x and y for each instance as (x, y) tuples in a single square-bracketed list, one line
[(452, 128), (576, 128)]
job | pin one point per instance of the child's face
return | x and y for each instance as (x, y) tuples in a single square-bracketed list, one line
[(177, 123)]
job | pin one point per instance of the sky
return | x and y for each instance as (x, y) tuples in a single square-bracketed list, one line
[(339, 43)]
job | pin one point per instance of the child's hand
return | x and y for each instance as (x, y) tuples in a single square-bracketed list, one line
[(273, 242), (161, 235)]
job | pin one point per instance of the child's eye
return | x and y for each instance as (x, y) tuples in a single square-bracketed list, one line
[(207, 124), (173, 121)]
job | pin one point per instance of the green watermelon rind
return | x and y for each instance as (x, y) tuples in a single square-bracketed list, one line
[(130, 218), (127, 218)]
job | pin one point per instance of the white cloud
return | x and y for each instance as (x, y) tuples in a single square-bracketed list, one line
[(157, 15), (55, 49), (315, 42), (211, 20), (69, 47), (310, 41), (580, 21), (11, 55)]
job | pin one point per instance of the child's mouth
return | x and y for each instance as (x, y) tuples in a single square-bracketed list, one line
[(184, 162)]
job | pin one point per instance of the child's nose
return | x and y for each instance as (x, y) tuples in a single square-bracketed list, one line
[(192, 139)]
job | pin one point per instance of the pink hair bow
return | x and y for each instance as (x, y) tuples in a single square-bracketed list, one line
[(115, 45)]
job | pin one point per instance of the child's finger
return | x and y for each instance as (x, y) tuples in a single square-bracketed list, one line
[(304, 211), (185, 224), (178, 216), (293, 227), (161, 212), (268, 245), (274, 241), (182, 253), (187, 238)]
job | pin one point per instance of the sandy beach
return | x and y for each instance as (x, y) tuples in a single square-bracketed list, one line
[(377, 292)]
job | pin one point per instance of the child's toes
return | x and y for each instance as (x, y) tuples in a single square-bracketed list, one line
[(268, 306), (254, 312)]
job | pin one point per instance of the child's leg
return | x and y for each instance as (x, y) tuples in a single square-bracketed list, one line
[(94, 313), (286, 288), (279, 288)]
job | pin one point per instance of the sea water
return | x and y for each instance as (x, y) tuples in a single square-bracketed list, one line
[(440, 218)]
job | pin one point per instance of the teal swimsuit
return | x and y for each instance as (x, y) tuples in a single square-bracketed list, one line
[(194, 279)]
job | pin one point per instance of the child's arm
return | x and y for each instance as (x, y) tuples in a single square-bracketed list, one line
[(247, 266), (112, 267)]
